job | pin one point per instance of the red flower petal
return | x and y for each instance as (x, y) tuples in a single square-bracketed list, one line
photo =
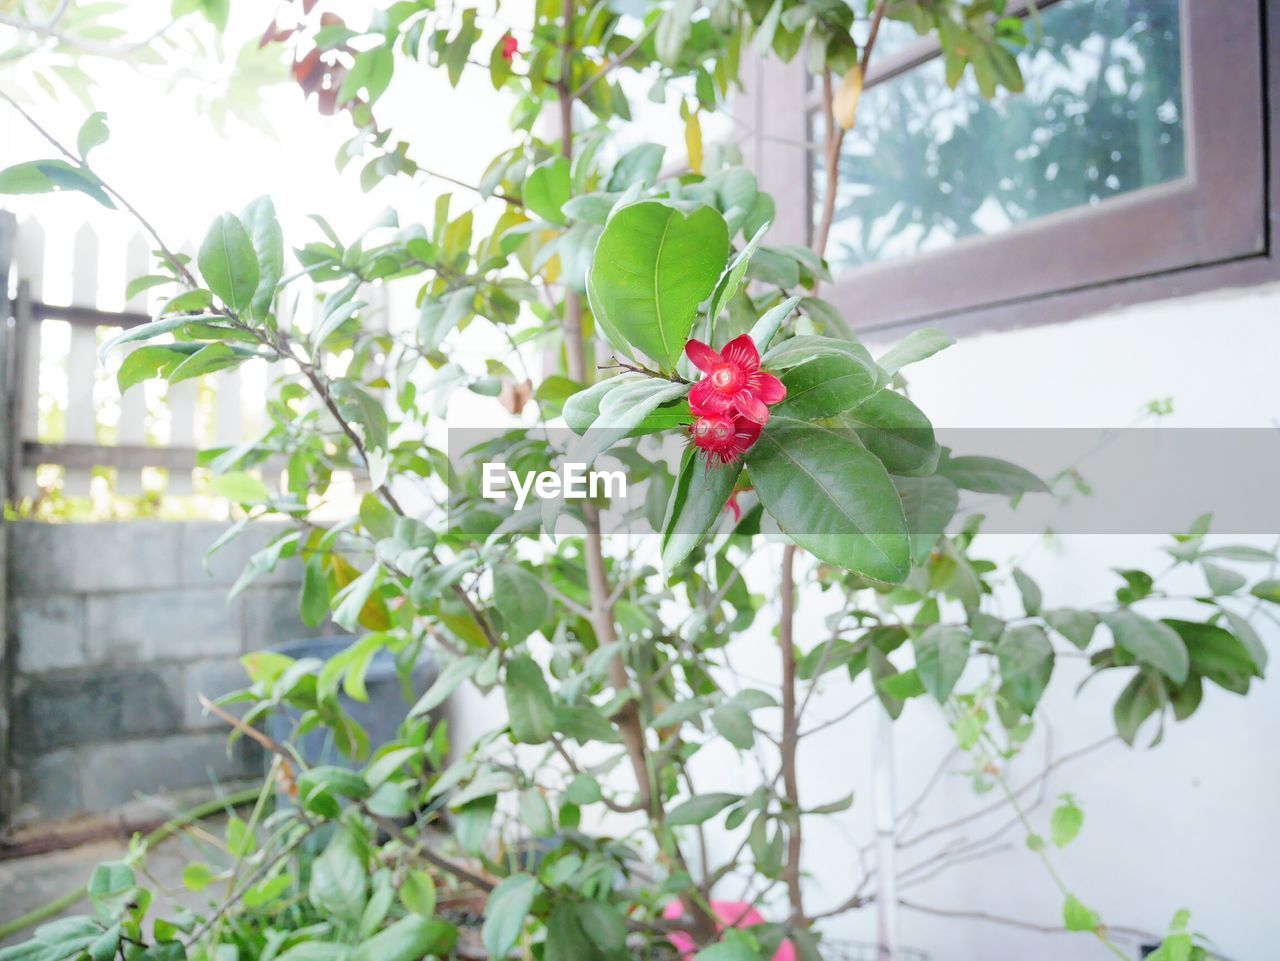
[(768, 388), (702, 356), (742, 351), (705, 399), (750, 407)]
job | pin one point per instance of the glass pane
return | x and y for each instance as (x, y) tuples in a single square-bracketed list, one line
[(1102, 115)]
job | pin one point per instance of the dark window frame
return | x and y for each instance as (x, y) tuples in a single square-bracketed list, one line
[(1216, 226)]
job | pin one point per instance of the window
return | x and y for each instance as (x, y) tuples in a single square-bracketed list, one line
[(1133, 166)]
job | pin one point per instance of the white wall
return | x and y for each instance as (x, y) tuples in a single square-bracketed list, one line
[(1189, 824)]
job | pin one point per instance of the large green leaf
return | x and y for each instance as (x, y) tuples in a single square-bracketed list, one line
[(530, 708), (832, 496), (896, 431), (941, 654), (409, 939), (653, 266), (547, 188), (521, 600), (916, 346), (829, 383), (1150, 641), (1217, 654), (990, 475), (702, 808), (339, 878), (259, 220), (505, 911), (229, 263), (928, 503), (697, 500)]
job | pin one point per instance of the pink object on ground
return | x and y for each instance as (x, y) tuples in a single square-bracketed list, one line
[(737, 914)]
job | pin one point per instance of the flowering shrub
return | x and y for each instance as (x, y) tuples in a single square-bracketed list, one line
[(573, 825)]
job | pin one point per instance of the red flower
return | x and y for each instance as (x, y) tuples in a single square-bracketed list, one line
[(510, 46), (734, 380), (723, 436)]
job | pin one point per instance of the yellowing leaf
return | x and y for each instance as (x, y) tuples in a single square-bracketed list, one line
[(845, 103), (693, 141)]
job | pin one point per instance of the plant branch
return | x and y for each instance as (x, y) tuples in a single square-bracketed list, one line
[(790, 721)]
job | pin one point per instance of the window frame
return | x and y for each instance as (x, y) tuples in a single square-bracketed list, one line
[(1216, 224)]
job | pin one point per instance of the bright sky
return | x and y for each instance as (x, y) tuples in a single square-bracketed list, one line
[(165, 155)]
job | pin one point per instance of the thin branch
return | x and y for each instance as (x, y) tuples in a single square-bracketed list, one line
[(617, 61), (169, 255)]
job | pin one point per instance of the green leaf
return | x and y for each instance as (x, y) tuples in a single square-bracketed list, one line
[(1076, 917), (766, 328), (916, 346), (1217, 654), (409, 939), (1247, 636), (697, 501), (731, 280), (675, 27), (208, 359), (832, 497), (734, 725), (732, 946), (1026, 664), (505, 913), (259, 220), (241, 487), (418, 893), (352, 598), (653, 266), (1222, 580), (1076, 626), (49, 176), (928, 503), (339, 878), (197, 876), (535, 813), (1151, 642), (450, 679), (93, 133), (1268, 590), (829, 383), (1030, 591), (547, 188), (990, 475), (701, 808), (603, 924), (941, 655), (897, 432), (521, 600), (622, 411), (530, 707), (639, 165), (1065, 822), (1141, 698), (229, 264)]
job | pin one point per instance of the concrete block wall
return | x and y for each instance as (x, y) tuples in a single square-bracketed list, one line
[(115, 630)]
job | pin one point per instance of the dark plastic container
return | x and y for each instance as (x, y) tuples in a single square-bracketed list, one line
[(380, 716)]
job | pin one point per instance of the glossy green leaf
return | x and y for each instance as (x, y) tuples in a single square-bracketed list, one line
[(699, 809), (697, 501), (1151, 642), (547, 189), (916, 346), (832, 497), (990, 475), (505, 913), (653, 266), (229, 263), (928, 504), (1026, 664), (530, 708), (259, 221)]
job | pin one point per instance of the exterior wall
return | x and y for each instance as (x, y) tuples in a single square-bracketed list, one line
[(116, 628)]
